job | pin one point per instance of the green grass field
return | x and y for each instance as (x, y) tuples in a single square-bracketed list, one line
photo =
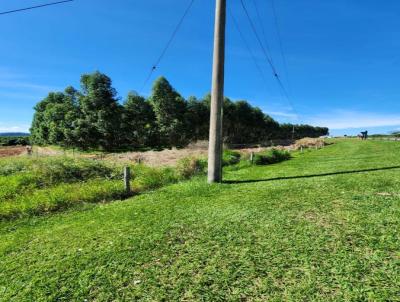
[(323, 226)]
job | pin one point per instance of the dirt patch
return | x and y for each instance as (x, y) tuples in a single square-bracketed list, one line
[(12, 151)]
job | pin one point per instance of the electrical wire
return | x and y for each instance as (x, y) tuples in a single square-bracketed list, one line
[(278, 31), (259, 40), (236, 24), (268, 58), (33, 7), (164, 51), (262, 26)]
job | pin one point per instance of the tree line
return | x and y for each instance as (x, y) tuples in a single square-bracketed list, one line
[(93, 118)]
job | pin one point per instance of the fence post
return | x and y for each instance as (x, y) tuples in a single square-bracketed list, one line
[(127, 179), (251, 157)]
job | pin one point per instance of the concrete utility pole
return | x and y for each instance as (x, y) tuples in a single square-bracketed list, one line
[(217, 95)]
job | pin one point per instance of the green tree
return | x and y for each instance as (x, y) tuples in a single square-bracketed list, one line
[(169, 108), (53, 119), (71, 96), (99, 123), (138, 122), (93, 118), (198, 118)]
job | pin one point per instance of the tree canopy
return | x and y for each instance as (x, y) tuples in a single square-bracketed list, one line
[(93, 118)]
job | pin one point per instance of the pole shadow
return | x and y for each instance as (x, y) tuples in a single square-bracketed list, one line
[(309, 176)]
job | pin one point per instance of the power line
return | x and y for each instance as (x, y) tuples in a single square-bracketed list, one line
[(259, 40), (268, 58), (33, 7), (286, 70), (178, 26), (262, 26), (278, 31), (247, 46)]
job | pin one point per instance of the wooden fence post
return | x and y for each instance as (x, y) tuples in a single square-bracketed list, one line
[(127, 179), (251, 157)]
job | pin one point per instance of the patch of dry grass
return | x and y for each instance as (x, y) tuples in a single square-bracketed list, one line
[(309, 142), (12, 151)]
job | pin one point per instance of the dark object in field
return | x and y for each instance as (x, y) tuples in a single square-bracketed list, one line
[(363, 135)]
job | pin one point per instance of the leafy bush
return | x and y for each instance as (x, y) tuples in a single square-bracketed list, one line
[(230, 157), (271, 157), (147, 178), (190, 166)]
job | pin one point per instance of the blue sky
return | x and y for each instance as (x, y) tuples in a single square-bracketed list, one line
[(342, 56)]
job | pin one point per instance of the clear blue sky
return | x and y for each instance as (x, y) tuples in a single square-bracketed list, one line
[(342, 56)]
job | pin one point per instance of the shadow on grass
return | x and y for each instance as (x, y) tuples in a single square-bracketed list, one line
[(310, 175)]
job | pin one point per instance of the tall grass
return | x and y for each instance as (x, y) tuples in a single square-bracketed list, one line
[(34, 186), (56, 169), (61, 197), (191, 166), (272, 156), (230, 157), (19, 175)]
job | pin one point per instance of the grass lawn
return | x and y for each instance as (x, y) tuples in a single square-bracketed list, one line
[(324, 226)]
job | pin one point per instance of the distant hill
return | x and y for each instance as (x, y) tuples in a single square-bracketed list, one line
[(14, 134)]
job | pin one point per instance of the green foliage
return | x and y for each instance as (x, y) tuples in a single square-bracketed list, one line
[(54, 118), (244, 123), (99, 122), (92, 118), (61, 197), (56, 169), (148, 178), (169, 108), (138, 123), (230, 157), (197, 118), (301, 131), (19, 175), (191, 166), (14, 140), (272, 156)]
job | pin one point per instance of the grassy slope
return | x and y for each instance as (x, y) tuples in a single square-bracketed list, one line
[(320, 238)]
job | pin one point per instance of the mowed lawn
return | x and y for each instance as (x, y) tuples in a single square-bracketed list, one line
[(324, 226)]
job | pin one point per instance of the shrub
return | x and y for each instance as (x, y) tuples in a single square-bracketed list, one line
[(191, 166), (271, 157), (147, 178), (230, 157)]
